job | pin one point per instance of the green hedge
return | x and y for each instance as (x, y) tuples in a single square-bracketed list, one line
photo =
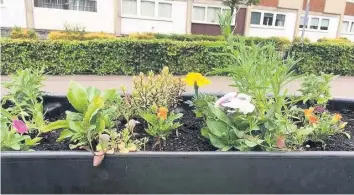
[(117, 56), (280, 42), (325, 57), (130, 56)]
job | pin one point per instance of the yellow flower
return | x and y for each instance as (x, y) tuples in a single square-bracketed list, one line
[(337, 117), (308, 112), (162, 113), (198, 78)]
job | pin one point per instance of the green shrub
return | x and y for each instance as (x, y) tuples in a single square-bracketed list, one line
[(19, 33), (336, 40), (130, 56), (323, 57), (298, 40), (111, 56)]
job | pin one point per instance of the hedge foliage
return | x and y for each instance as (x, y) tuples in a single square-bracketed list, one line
[(334, 58), (112, 56), (127, 56)]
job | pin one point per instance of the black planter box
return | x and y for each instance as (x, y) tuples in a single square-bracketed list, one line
[(178, 172)]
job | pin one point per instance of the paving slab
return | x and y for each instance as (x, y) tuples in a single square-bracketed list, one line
[(341, 87)]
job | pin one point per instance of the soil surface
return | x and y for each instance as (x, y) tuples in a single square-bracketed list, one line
[(188, 137)]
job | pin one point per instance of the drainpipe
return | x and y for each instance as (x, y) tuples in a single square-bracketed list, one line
[(306, 19)]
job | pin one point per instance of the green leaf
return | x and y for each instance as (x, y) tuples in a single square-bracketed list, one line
[(76, 126), (32, 142), (216, 127), (95, 105), (220, 114), (15, 146), (217, 142), (205, 132), (59, 124), (226, 148), (73, 116), (77, 96), (101, 124), (6, 114), (250, 144), (238, 133), (305, 131), (108, 94), (64, 134), (347, 135), (92, 92)]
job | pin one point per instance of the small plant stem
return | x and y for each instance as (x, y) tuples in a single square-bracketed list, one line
[(196, 89)]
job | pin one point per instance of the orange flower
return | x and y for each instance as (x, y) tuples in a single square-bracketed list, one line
[(308, 112), (337, 117), (313, 119), (162, 113)]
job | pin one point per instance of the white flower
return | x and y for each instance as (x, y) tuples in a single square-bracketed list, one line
[(131, 124), (241, 102), (226, 98)]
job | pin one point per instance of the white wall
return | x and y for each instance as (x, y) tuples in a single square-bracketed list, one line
[(177, 24), (349, 35), (54, 19), (314, 35), (265, 31), (12, 13)]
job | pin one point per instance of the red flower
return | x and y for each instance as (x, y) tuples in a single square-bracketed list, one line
[(20, 126), (281, 142)]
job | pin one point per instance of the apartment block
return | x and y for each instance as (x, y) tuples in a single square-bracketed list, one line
[(269, 18)]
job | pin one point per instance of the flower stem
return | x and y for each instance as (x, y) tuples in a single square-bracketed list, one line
[(196, 89)]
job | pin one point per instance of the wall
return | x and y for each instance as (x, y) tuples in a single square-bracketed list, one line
[(54, 19), (350, 36), (293, 4), (349, 9), (335, 6), (315, 5), (214, 29), (269, 3), (177, 24), (13, 13), (287, 31), (314, 35)]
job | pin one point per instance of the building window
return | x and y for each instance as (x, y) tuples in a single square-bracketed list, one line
[(324, 24), (147, 8), (79, 5), (130, 7), (213, 14), (314, 23), (352, 27), (256, 18), (208, 14), (280, 20), (269, 19), (345, 26), (165, 10), (198, 13)]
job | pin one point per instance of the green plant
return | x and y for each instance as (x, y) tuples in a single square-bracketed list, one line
[(112, 141), (160, 122), (162, 89), (19, 33), (298, 40), (316, 89), (91, 118), (341, 40), (25, 109), (229, 125)]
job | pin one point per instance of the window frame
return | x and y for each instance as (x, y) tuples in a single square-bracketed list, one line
[(275, 14), (156, 10), (68, 4), (351, 23), (205, 6), (319, 23)]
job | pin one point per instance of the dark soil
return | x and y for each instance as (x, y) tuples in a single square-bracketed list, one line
[(189, 138)]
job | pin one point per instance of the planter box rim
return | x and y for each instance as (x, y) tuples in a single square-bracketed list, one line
[(217, 154)]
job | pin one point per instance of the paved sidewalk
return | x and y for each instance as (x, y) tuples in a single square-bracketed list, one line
[(342, 87)]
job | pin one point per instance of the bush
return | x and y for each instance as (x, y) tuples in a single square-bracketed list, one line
[(337, 40), (114, 56), (298, 40), (324, 57), (19, 33), (58, 35), (141, 36), (131, 56)]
